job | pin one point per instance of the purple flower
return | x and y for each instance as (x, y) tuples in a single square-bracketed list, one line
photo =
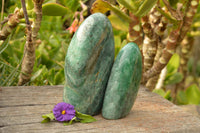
[(64, 111)]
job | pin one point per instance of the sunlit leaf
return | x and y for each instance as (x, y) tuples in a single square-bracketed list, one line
[(173, 64), (118, 23), (196, 24), (100, 6), (126, 4), (194, 33), (145, 7), (29, 4), (193, 94), (48, 117), (103, 6), (160, 92), (54, 9)]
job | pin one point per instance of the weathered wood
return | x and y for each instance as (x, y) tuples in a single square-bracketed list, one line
[(21, 109)]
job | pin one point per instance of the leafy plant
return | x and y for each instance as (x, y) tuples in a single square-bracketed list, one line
[(190, 96), (173, 76), (164, 94)]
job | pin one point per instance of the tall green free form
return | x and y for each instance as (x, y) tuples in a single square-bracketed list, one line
[(88, 64)]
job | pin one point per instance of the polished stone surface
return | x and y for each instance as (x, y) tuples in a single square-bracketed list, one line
[(123, 83), (88, 64)]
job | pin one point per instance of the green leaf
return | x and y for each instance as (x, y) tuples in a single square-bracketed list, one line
[(73, 5), (126, 4), (173, 78), (193, 94), (85, 118), (69, 122), (168, 16), (118, 23), (46, 120), (103, 6), (54, 9), (160, 92), (173, 64), (29, 4), (196, 24), (66, 123), (36, 74), (48, 117), (51, 76), (181, 98), (168, 95), (5, 44), (173, 2), (59, 77), (194, 33), (145, 7)]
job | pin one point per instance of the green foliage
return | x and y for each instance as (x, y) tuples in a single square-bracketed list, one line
[(145, 7), (120, 40), (5, 44), (164, 94), (130, 7), (117, 23), (48, 117), (73, 5), (172, 76), (54, 9), (10, 58), (103, 7), (173, 2), (85, 118), (29, 4), (50, 54), (7, 4), (190, 96)]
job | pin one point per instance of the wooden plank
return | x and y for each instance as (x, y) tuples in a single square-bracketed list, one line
[(151, 113), (30, 95)]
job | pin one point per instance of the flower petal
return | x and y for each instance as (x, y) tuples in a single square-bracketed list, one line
[(69, 111)]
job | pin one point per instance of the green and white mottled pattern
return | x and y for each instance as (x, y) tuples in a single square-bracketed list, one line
[(88, 64), (123, 83)]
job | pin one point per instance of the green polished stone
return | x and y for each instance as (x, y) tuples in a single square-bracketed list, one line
[(123, 83), (88, 64)]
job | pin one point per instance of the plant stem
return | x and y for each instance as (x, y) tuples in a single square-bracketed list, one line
[(166, 55), (29, 50), (174, 39), (13, 20), (135, 31)]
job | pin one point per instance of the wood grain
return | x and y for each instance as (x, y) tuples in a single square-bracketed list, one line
[(21, 109)]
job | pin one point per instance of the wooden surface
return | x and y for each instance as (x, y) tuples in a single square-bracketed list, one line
[(21, 109)]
